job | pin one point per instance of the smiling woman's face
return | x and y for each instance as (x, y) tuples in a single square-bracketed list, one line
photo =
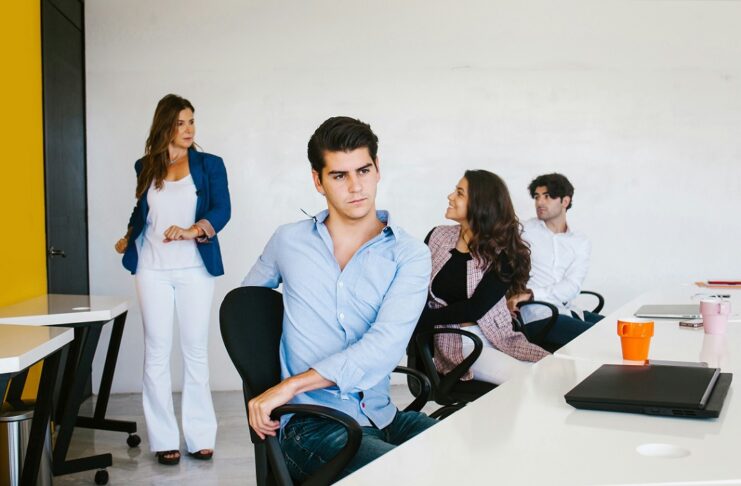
[(458, 203)]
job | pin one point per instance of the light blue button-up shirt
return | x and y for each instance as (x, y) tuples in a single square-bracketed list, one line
[(352, 326)]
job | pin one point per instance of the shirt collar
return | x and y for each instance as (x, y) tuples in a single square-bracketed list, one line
[(381, 214), (546, 228)]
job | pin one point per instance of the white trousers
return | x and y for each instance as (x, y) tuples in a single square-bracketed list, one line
[(189, 292), (493, 365)]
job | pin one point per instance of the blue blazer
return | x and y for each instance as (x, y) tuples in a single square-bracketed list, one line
[(212, 204)]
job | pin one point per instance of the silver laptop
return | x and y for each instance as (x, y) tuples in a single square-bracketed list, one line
[(672, 311)]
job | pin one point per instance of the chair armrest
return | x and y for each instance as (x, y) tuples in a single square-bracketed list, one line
[(424, 387), (600, 300), (328, 472), (448, 381), (519, 325)]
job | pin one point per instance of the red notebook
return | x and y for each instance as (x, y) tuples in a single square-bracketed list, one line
[(720, 284)]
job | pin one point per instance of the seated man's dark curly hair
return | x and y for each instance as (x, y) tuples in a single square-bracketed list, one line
[(557, 184)]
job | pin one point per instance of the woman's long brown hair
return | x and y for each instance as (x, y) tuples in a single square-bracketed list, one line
[(156, 157), (496, 230)]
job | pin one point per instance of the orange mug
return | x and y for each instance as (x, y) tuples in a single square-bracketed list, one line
[(635, 338)]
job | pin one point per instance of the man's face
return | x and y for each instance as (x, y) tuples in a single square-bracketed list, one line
[(349, 181), (548, 208)]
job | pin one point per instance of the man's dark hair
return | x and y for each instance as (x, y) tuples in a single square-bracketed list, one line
[(340, 134), (557, 184)]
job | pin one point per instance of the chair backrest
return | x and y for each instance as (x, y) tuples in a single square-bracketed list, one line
[(251, 320)]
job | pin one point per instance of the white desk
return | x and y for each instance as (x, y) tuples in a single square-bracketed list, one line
[(87, 314), (20, 348), (670, 342), (60, 309), (524, 432)]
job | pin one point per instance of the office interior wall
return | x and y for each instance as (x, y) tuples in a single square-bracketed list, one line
[(638, 102)]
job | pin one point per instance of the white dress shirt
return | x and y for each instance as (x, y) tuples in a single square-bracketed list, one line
[(559, 262)]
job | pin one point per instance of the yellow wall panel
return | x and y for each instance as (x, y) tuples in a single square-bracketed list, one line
[(22, 246)]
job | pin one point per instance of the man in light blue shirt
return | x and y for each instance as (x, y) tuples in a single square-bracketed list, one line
[(354, 285)]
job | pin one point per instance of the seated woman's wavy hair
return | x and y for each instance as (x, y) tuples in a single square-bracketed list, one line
[(496, 230)]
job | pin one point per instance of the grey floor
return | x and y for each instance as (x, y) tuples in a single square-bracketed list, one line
[(233, 461)]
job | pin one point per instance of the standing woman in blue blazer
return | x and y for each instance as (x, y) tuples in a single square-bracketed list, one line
[(172, 249)]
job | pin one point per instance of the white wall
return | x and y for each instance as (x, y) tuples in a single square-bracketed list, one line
[(638, 102)]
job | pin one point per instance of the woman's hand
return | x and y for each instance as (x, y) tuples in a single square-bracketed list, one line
[(174, 233), (516, 299), (121, 245)]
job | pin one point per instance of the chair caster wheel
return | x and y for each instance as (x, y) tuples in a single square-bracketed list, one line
[(133, 440), (101, 477)]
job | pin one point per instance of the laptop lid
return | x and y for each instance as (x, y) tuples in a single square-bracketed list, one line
[(671, 311), (686, 391)]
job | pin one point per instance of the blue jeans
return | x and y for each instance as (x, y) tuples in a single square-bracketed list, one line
[(565, 329), (310, 442)]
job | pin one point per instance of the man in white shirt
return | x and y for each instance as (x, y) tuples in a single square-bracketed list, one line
[(559, 261)]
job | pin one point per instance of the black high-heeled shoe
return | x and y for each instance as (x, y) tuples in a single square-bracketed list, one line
[(201, 456), (168, 461)]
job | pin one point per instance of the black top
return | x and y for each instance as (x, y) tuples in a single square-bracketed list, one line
[(451, 285)]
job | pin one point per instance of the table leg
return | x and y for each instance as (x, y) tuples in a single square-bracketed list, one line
[(15, 390), (71, 365), (4, 379), (98, 421), (40, 422), (88, 341)]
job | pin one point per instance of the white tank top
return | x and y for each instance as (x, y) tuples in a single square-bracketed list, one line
[(174, 204)]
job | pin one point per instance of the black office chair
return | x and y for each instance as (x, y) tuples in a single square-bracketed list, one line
[(600, 300), (251, 326), (447, 390), (519, 325)]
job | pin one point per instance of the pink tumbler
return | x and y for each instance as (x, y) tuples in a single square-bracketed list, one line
[(715, 315)]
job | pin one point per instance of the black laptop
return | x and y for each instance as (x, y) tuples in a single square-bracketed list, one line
[(679, 391)]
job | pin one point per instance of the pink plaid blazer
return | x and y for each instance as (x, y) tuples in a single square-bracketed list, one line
[(496, 324)]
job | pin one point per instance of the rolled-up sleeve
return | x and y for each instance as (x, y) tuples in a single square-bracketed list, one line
[(373, 357)]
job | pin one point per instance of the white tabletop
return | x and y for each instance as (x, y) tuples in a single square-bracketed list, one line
[(670, 342), (53, 309), (22, 346), (524, 432)]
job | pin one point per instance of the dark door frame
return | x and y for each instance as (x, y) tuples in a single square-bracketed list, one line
[(74, 12)]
